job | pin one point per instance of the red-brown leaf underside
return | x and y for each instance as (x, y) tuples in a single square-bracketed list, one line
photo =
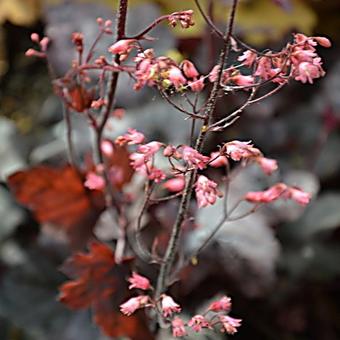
[(101, 284), (57, 196)]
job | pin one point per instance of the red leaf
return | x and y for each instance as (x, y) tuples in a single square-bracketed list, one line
[(100, 283), (80, 99), (58, 196)]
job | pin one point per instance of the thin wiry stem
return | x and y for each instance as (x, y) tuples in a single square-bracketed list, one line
[(169, 257)]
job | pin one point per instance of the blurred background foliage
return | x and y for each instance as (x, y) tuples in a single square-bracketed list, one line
[(281, 266)]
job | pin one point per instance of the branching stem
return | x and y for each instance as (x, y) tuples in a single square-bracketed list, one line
[(170, 254)]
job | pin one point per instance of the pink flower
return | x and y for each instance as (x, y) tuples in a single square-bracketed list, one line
[(237, 150), (155, 174), (107, 148), (248, 57), (194, 158), (198, 322), (130, 306), (267, 165), (223, 304), (217, 160), (300, 39), (131, 137), (139, 282), (169, 306), (264, 68), (138, 160), (141, 161), (35, 37), (176, 77), (94, 182), (267, 196), (229, 324), (150, 148), (175, 184), (242, 80), (297, 195), (307, 71), (189, 69), (178, 327), (122, 47), (34, 53), (197, 85), (206, 191), (214, 73)]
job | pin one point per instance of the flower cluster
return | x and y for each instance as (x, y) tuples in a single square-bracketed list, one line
[(214, 317)]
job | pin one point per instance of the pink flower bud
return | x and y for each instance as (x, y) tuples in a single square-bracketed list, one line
[(35, 37), (100, 21), (297, 195), (107, 148), (267, 196), (324, 42)]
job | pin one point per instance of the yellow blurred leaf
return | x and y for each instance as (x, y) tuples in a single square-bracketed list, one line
[(261, 21), (3, 56), (20, 12)]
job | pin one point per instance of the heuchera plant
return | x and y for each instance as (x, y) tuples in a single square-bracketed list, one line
[(89, 88)]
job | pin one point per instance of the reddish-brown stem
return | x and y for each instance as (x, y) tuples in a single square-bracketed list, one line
[(120, 28), (169, 257), (177, 107), (91, 50), (110, 197)]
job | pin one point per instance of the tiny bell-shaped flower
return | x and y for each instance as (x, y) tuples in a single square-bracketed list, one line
[(130, 306), (178, 327), (169, 306)]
